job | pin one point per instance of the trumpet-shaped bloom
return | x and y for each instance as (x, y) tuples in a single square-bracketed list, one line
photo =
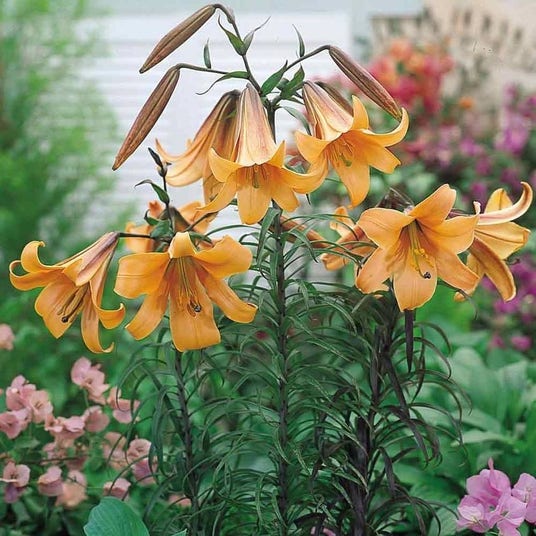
[(352, 241), (344, 140), (183, 218), (71, 287), (496, 238), (217, 132), (417, 247), (256, 175), (189, 280)]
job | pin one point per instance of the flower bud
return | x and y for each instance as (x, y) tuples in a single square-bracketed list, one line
[(177, 36), (365, 82)]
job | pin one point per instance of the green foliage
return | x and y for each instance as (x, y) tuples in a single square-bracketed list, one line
[(114, 518)]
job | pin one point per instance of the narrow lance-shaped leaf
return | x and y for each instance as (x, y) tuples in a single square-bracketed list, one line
[(160, 192), (177, 36), (235, 41), (206, 56), (249, 37), (149, 114), (365, 82), (301, 44), (273, 80)]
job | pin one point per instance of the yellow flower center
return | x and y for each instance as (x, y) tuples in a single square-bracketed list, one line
[(72, 305), (187, 290), (418, 253), (341, 150)]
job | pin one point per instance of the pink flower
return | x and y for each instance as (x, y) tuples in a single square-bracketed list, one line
[(138, 456), (16, 478), (74, 490), (39, 405), (50, 483), (179, 500), (90, 378), (18, 393), (488, 486), (12, 423), (525, 491), (7, 337), (137, 449), (113, 450), (143, 472), (117, 488), (64, 429), (473, 515), (122, 407), (508, 515), (96, 420)]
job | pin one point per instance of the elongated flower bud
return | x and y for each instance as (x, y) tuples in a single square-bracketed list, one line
[(177, 36), (365, 82), (149, 114)]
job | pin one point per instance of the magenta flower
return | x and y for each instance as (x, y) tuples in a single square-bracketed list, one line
[(525, 491), (488, 486), (508, 515), (473, 515)]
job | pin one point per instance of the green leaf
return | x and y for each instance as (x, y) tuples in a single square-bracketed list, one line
[(235, 41), (206, 56), (293, 84), (479, 436), (160, 192), (226, 76), (114, 518), (273, 80), (249, 37), (301, 44), (298, 115)]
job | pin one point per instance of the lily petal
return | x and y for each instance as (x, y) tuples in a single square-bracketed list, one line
[(281, 193), (310, 148), (31, 280), (503, 238), (227, 257), (436, 207), (231, 305), (140, 273), (455, 234), (151, 311), (355, 175), (395, 136), (383, 225), (221, 167), (361, 120), (222, 199), (90, 331), (190, 332), (499, 211), (495, 268), (304, 183), (374, 272), (29, 258), (253, 200)]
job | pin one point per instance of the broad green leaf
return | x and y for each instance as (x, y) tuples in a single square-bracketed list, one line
[(113, 517), (479, 436), (273, 80)]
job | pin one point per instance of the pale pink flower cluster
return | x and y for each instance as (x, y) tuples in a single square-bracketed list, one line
[(7, 337), (492, 502), (65, 456), (135, 456)]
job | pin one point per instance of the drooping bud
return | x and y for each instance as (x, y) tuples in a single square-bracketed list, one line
[(177, 36), (365, 82), (149, 114)]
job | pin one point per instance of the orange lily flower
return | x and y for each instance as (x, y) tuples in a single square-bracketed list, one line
[(72, 286), (344, 140), (218, 132), (183, 218), (190, 280), (352, 240), (496, 238), (417, 247), (257, 174)]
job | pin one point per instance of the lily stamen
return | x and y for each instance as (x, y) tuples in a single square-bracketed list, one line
[(417, 251), (73, 304), (187, 294)]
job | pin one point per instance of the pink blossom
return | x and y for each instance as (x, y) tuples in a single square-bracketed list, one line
[(12, 423), (488, 486), (65, 429), (113, 449), (525, 491), (473, 515), (90, 378), (143, 472), (16, 478), (96, 420), (39, 405), (122, 407), (50, 483), (117, 488), (137, 449), (179, 500), (508, 515), (74, 490), (18, 393), (7, 337)]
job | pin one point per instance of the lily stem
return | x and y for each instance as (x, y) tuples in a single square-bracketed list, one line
[(191, 473)]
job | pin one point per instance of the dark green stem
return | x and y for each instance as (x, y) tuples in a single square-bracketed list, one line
[(187, 437)]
